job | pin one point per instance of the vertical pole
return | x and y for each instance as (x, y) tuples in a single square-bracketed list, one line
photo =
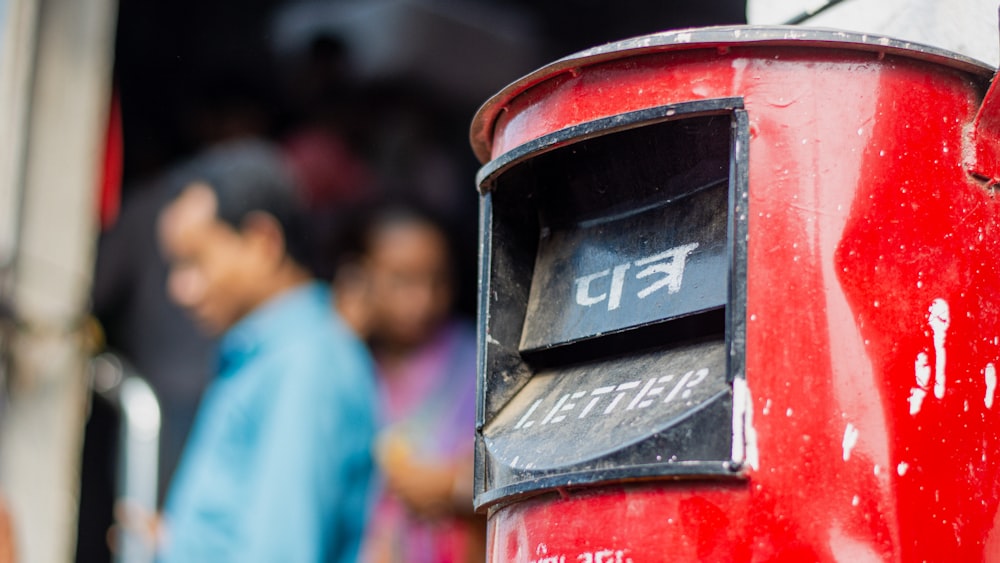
[(49, 262)]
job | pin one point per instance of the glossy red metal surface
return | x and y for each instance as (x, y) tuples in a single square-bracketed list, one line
[(986, 137), (873, 313)]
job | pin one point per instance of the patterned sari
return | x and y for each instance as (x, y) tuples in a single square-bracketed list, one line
[(430, 403)]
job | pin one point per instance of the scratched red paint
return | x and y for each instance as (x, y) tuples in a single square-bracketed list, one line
[(861, 215)]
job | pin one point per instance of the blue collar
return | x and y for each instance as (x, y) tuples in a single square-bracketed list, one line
[(268, 324)]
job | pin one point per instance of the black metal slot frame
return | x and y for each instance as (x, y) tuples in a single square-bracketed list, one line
[(510, 227), (701, 324)]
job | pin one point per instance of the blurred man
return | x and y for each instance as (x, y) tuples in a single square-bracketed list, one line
[(277, 465)]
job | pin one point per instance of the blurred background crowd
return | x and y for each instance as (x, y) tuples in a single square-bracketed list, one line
[(368, 104)]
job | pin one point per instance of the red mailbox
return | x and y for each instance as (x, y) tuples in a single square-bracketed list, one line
[(740, 301)]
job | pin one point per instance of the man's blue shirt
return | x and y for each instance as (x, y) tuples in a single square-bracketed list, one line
[(278, 463)]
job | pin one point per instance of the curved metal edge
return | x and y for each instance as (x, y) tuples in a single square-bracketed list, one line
[(137, 478), (677, 471), (481, 130), (140, 407), (138, 458), (589, 129)]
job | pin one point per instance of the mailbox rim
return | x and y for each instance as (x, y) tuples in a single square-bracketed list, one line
[(493, 169), (484, 121)]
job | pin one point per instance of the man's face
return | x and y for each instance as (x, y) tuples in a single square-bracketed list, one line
[(212, 267)]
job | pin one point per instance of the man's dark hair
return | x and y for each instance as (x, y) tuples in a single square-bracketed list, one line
[(250, 176)]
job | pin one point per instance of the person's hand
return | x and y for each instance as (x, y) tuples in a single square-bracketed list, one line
[(427, 488), (134, 519), (352, 299)]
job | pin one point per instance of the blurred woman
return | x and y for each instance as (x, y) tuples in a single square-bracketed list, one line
[(397, 292)]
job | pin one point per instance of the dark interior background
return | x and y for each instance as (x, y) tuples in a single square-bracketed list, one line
[(397, 80), (179, 62), (394, 83)]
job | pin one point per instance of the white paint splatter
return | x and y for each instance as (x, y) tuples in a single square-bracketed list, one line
[(922, 374), (850, 440), (922, 370), (916, 399), (939, 319), (902, 468), (843, 546), (744, 434), (990, 375), (856, 500)]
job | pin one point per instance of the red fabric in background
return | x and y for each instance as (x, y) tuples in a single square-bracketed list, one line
[(109, 196)]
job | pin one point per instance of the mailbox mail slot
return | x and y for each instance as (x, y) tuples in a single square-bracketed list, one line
[(618, 250), (623, 245)]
